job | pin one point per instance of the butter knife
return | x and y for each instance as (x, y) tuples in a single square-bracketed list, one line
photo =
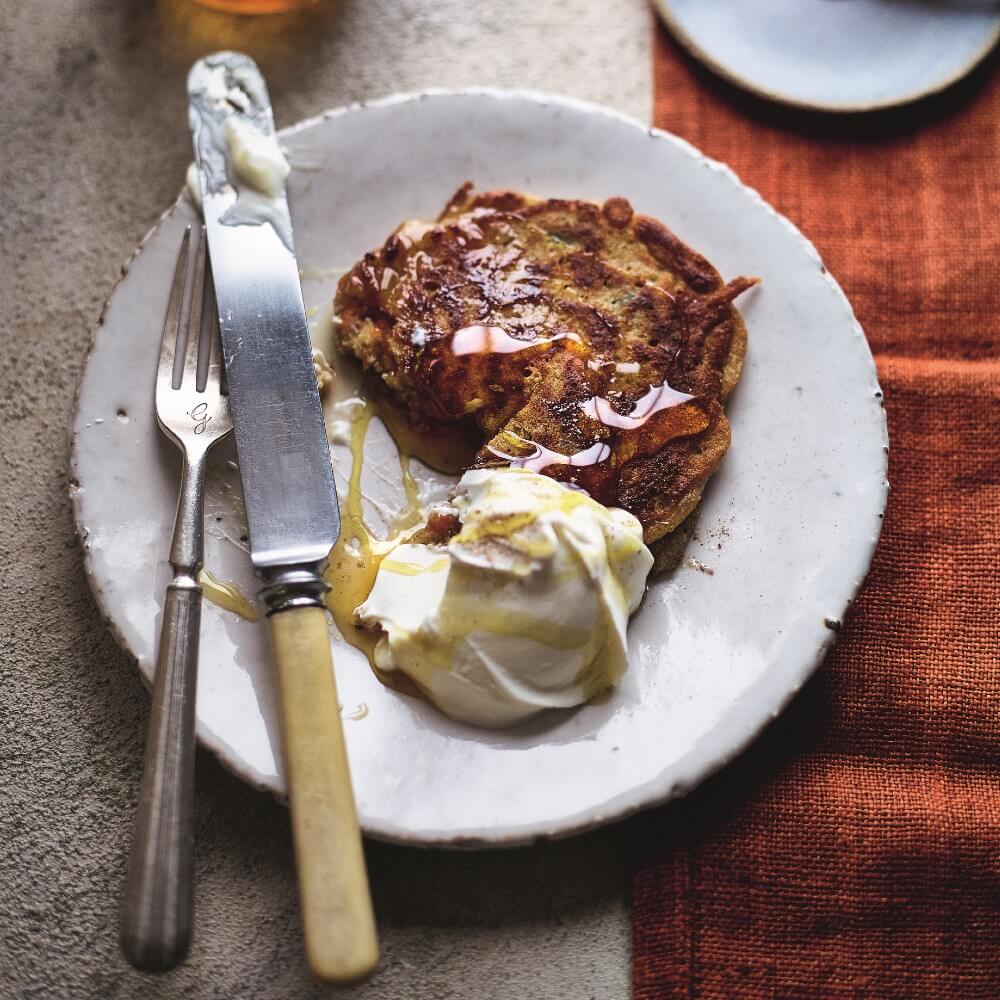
[(291, 498)]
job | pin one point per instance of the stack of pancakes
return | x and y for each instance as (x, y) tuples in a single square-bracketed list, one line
[(579, 340)]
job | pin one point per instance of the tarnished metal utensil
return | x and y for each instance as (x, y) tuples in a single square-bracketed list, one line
[(193, 411)]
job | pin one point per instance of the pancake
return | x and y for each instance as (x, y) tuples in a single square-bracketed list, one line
[(582, 341)]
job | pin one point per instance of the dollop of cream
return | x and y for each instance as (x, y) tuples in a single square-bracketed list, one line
[(256, 158), (525, 609)]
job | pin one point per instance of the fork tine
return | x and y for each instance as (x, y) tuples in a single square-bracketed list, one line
[(194, 329), (172, 321)]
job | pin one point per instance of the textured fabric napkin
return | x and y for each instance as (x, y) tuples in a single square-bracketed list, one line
[(854, 850)]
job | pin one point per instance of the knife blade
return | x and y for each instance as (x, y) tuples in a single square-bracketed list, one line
[(291, 497), (288, 485)]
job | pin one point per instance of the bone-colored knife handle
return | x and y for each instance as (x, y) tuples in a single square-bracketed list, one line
[(156, 923), (337, 917)]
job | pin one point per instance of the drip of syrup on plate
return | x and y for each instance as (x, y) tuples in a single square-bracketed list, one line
[(356, 558), (448, 448), (229, 597), (413, 513)]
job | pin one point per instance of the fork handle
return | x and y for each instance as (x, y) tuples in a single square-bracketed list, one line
[(156, 928), (159, 904)]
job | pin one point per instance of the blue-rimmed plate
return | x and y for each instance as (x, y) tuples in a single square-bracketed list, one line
[(836, 55)]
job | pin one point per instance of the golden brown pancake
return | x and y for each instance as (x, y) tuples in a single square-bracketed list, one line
[(579, 340)]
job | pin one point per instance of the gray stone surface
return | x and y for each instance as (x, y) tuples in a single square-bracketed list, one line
[(92, 148)]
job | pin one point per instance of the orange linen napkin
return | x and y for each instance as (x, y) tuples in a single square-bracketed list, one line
[(854, 851)]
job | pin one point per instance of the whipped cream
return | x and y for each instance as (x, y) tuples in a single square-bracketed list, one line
[(524, 609)]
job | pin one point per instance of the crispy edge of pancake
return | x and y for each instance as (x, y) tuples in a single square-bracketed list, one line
[(668, 551), (710, 455), (733, 368)]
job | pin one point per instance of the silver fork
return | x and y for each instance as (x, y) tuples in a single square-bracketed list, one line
[(194, 413)]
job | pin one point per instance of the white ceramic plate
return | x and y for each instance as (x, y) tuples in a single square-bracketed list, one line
[(787, 527), (836, 55)]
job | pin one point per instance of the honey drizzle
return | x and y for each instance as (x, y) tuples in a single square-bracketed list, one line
[(355, 559), (352, 567), (226, 595), (413, 513), (479, 339), (446, 448)]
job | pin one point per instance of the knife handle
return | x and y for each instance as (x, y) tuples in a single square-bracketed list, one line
[(337, 917)]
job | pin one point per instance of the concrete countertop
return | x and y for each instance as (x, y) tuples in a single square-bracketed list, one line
[(94, 146)]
